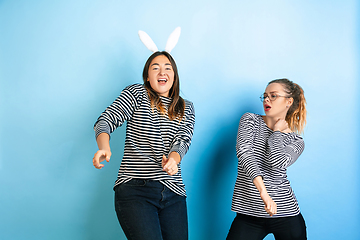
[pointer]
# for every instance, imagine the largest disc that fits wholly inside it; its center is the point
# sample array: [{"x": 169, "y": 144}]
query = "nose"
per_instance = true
[
  {"x": 162, "y": 71},
  {"x": 267, "y": 99}
]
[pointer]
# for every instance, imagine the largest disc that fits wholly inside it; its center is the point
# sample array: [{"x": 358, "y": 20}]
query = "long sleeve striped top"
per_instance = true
[
  {"x": 149, "y": 136},
  {"x": 263, "y": 152}
]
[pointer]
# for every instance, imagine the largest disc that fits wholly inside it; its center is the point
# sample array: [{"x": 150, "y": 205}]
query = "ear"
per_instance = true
[{"x": 290, "y": 101}]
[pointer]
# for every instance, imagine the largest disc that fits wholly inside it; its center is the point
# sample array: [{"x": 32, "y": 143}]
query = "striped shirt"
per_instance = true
[
  {"x": 263, "y": 152},
  {"x": 149, "y": 136}
]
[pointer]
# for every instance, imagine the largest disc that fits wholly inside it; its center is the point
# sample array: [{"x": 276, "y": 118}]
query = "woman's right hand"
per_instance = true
[
  {"x": 281, "y": 125},
  {"x": 270, "y": 205},
  {"x": 100, "y": 156}
]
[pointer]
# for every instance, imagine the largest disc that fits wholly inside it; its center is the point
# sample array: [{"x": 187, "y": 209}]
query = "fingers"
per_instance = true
[
  {"x": 164, "y": 161},
  {"x": 169, "y": 163},
  {"x": 171, "y": 170},
  {"x": 100, "y": 156},
  {"x": 271, "y": 208},
  {"x": 97, "y": 164},
  {"x": 169, "y": 166},
  {"x": 281, "y": 125}
]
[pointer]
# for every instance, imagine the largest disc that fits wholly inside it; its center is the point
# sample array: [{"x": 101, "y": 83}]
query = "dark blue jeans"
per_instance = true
[
  {"x": 147, "y": 210},
  {"x": 246, "y": 227}
]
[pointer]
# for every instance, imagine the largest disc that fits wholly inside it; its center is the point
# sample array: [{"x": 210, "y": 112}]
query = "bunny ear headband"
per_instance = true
[{"x": 170, "y": 44}]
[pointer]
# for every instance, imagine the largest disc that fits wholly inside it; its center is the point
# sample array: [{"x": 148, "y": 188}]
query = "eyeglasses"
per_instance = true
[{"x": 272, "y": 97}]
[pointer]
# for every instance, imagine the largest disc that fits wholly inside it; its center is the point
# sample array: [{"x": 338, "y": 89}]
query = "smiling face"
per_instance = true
[
  {"x": 276, "y": 108},
  {"x": 161, "y": 75}
]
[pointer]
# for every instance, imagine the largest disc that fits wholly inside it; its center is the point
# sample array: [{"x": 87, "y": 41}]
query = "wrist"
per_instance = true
[
  {"x": 106, "y": 149},
  {"x": 175, "y": 156}
]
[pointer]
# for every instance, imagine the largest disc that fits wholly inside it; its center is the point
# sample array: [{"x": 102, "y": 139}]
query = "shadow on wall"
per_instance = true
[
  {"x": 101, "y": 221},
  {"x": 221, "y": 176}
]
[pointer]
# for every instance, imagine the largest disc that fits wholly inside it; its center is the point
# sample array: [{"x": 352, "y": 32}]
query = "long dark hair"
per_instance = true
[
  {"x": 296, "y": 115},
  {"x": 177, "y": 105}
]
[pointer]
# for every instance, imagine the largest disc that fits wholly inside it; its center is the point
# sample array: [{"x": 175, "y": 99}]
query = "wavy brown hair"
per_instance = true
[
  {"x": 296, "y": 115},
  {"x": 177, "y": 105}
]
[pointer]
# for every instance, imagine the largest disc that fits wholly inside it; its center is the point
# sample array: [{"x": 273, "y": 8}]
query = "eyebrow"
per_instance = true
[
  {"x": 159, "y": 64},
  {"x": 271, "y": 92}
]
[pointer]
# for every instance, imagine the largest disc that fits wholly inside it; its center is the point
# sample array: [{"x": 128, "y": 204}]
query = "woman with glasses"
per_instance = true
[{"x": 266, "y": 146}]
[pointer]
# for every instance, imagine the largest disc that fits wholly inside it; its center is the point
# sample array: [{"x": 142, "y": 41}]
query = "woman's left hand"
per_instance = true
[
  {"x": 270, "y": 206},
  {"x": 169, "y": 165}
]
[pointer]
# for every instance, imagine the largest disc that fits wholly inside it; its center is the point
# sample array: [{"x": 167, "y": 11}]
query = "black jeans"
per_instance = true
[
  {"x": 147, "y": 210},
  {"x": 246, "y": 227}
]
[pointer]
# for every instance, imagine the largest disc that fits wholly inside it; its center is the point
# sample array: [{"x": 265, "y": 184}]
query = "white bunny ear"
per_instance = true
[
  {"x": 173, "y": 39},
  {"x": 147, "y": 41}
]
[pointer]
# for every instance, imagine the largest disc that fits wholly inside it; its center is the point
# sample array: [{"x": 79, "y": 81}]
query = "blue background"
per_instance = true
[{"x": 63, "y": 62}]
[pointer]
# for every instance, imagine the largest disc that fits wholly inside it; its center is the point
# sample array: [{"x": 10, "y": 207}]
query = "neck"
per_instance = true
[{"x": 270, "y": 121}]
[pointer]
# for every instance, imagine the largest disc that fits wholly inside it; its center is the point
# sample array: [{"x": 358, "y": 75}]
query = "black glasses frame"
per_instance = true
[{"x": 272, "y": 97}]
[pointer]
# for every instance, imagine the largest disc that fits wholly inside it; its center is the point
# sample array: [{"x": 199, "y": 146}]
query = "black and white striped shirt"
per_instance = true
[
  {"x": 263, "y": 152},
  {"x": 149, "y": 136}
]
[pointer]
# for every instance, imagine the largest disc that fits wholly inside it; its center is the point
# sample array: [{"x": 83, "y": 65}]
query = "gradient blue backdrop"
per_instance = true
[{"x": 63, "y": 62}]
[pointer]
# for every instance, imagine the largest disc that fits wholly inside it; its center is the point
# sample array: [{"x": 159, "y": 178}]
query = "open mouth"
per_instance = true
[
  {"x": 267, "y": 107},
  {"x": 162, "y": 80}
]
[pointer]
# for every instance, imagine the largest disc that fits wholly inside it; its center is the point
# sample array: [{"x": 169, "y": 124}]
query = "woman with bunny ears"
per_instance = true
[
  {"x": 266, "y": 146},
  {"x": 150, "y": 197}
]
